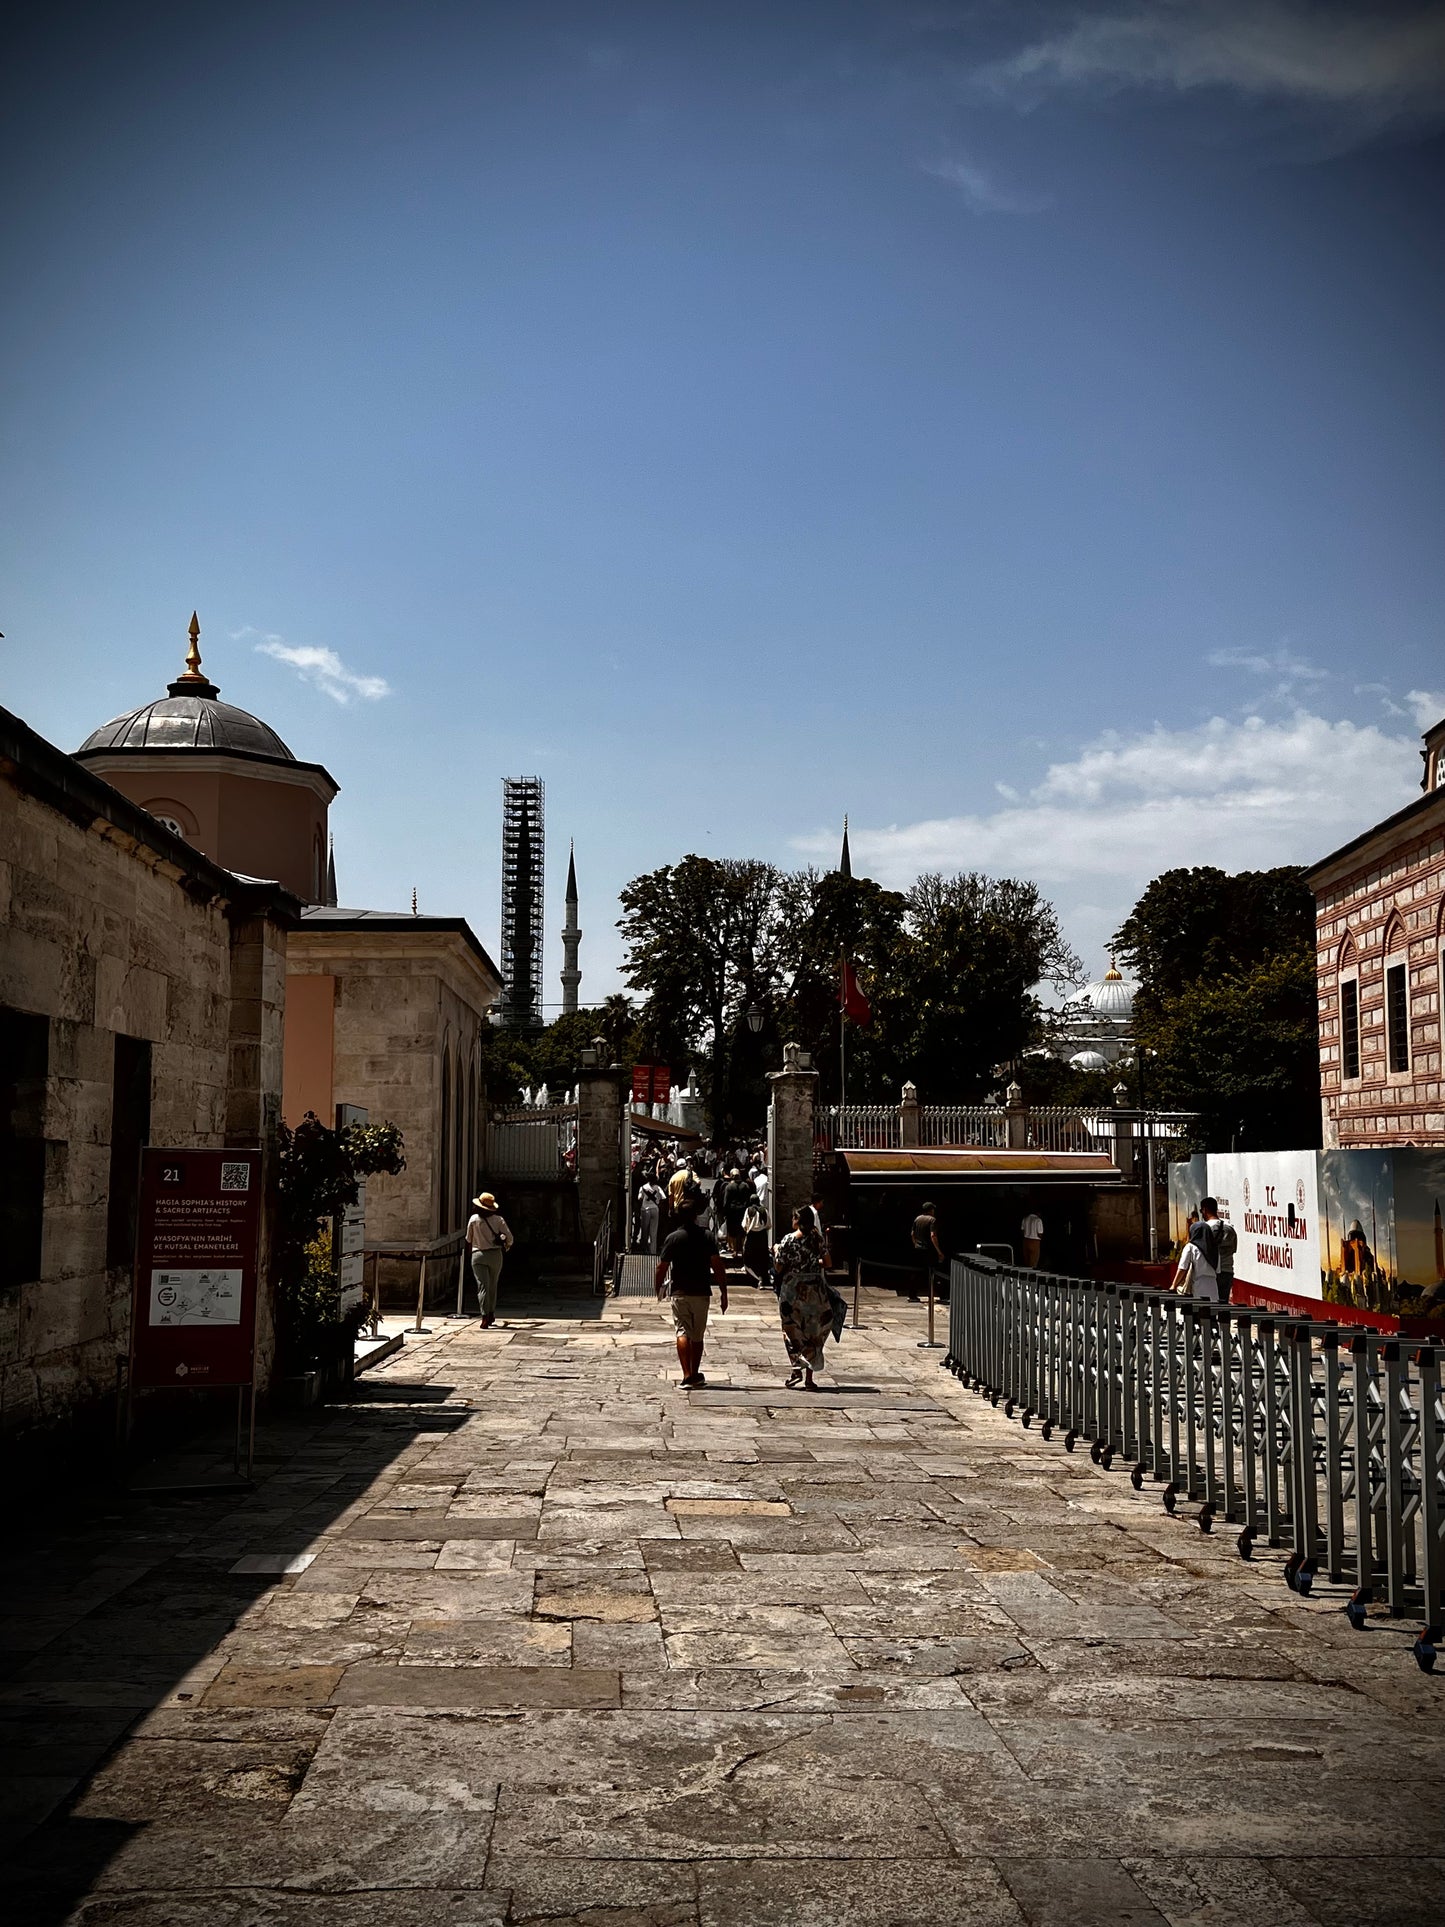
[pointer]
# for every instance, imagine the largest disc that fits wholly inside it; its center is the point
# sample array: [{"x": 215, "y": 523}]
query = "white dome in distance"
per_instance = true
[{"x": 1088, "y": 1060}]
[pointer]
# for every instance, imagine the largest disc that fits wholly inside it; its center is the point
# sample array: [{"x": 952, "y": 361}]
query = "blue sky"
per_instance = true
[{"x": 1017, "y": 426}]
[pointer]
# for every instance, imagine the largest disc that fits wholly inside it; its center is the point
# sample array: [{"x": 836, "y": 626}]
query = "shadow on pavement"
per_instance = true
[{"x": 116, "y": 1601}]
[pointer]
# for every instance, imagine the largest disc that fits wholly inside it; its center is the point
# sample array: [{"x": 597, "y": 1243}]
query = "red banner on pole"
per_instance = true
[
  {"x": 651, "y": 1083},
  {"x": 193, "y": 1308}
]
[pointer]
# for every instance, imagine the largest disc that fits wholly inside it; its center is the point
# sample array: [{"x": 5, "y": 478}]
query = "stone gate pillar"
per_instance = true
[
  {"x": 794, "y": 1091},
  {"x": 602, "y": 1142},
  {"x": 908, "y": 1117}
]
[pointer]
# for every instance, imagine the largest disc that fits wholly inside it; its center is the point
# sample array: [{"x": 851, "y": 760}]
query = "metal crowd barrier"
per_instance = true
[{"x": 1326, "y": 1440}]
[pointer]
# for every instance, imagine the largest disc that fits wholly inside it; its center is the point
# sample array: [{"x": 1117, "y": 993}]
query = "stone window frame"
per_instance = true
[
  {"x": 1395, "y": 984},
  {"x": 1348, "y": 974}
]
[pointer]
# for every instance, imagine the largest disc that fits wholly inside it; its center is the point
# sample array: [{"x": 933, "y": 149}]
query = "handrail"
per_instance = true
[
  {"x": 602, "y": 1252},
  {"x": 1326, "y": 1440}
]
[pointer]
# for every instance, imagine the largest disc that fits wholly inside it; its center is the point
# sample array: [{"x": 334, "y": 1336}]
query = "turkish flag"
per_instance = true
[{"x": 851, "y": 1000}]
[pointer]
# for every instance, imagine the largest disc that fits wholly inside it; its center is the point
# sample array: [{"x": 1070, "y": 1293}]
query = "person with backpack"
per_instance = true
[
  {"x": 1224, "y": 1257},
  {"x": 1197, "y": 1273}
]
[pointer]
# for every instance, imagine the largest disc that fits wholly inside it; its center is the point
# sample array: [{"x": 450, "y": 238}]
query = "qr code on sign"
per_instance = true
[{"x": 235, "y": 1177}]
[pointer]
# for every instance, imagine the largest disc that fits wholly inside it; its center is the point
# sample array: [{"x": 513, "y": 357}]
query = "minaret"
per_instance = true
[
  {"x": 571, "y": 937},
  {"x": 845, "y": 861}
]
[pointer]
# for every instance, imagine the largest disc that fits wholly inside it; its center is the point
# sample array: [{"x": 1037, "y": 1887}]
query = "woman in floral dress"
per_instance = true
[{"x": 810, "y": 1310}]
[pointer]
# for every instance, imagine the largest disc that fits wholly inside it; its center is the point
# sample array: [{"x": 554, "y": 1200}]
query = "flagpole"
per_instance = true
[{"x": 843, "y": 1037}]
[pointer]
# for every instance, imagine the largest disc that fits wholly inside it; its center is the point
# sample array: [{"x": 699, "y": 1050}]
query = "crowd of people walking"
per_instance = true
[{"x": 693, "y": 1213}]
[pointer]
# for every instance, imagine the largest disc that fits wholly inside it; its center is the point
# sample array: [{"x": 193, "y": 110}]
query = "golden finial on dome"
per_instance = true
[{"x": 193, "y": 654}]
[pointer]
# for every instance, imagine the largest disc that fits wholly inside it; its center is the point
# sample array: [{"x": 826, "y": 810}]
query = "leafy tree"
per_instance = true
[
  {"x": 959, "y": 1000},
  {"x": 1226, "y": 1016},
  {"x": 949, "y": 968},
  {"x": 1202, "y": 925},
  {"x": 319, "y": 1172},
  {"x": 705, "y": 939},
  {"x": 516, "y": 1060}
]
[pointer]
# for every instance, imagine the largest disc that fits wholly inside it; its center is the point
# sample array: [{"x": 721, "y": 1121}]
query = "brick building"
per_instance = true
[{"x": 1380, "y": 928}]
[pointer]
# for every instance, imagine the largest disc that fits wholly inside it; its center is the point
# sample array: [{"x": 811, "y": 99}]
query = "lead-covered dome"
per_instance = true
[
  {"x": 189, "y": 716},
  {"x": 189, "y": 721}
]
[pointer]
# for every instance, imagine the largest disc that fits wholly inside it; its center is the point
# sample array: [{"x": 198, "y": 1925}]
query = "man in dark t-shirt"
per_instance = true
[
  {"x": 686, "y": 1267},
  {"x": 927, "y": 1251}
]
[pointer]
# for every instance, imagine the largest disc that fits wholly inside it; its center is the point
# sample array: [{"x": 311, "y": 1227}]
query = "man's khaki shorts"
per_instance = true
[{"x": 689, "y": 1314}]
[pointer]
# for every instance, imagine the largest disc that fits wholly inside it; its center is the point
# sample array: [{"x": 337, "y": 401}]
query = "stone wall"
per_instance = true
[
  {"x": 406, "y": 1015},
  {"x": 110, "y": 927}
]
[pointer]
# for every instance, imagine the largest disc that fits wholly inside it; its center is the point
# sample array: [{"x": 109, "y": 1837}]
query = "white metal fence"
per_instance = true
[{"x": 529, "y": 1143}]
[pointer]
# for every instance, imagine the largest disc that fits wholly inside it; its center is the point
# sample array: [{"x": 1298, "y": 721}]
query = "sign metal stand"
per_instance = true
[{"x": 195, "y": 1285}]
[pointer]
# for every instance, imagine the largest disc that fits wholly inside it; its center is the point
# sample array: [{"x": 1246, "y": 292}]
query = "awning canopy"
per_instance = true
[
  {"x": 981, "y": 1167},
  {"x": 646, "y": 1126}
]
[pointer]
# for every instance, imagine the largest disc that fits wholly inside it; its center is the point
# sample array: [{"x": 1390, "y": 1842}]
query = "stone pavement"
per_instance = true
[{"x": 567, "y": 1645}]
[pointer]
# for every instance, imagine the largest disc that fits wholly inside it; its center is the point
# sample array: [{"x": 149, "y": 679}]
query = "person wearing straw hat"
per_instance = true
[{"x": 489, "y": 1240}]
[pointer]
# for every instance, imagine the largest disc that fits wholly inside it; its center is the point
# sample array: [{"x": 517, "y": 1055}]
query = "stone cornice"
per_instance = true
[{"x": 209, "y": 762}]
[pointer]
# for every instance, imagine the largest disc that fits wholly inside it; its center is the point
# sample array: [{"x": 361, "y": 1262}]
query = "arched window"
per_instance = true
[
  {"x": 1349, "y": 994},
  {"x": 473, "y": 1166},
  {"x": 459, "y": 1139},
  {"x": 444, "y": 1143},
  {"x": 1397, "y": 998}
]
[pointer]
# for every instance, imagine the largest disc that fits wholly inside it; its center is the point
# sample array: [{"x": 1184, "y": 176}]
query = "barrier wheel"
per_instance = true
[
  {"x": 1046, "y": 1430},
  {"x": 1305, "y": 1578},
  {"x": 1244, "y": 1544},
  {"x": 1171, "y": 1496},
  {"x": 1094, "y": 1451},
  {"x": 994, "y": 1397},
  {"x": 1136, "y": 1478},
  {"x": 1027, "y": 1417},
  {"x": 1291, "y": 1570},
  {"x": 1106, "y": 1457},
  {"x": 1070, "y": 1438},
  {"x": 1206, "y": 1518},
  {"x": 1008, "y": 1408},
  {"x": 1355, "y": 1608},
  {"x": 1424, "y": 1652}
]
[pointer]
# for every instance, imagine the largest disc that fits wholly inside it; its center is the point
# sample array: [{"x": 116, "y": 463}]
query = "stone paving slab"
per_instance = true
[{"x": 577, "y": 1649}]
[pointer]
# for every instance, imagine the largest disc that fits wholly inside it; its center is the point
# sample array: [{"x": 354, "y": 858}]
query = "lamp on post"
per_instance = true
[{"x": 754, "y": 1015}]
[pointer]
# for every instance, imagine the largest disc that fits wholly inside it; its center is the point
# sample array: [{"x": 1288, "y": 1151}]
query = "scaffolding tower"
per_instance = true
[{"x": 523, "y": 870}]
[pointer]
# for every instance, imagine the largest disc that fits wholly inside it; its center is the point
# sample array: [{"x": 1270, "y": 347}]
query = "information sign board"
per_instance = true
[{"x": 193, "y": 1308}]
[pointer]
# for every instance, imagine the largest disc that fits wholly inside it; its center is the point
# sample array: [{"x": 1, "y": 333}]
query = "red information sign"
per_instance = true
[
  {"x": 651, "y": 1083},
  {"x": 193, "y": 1312}
]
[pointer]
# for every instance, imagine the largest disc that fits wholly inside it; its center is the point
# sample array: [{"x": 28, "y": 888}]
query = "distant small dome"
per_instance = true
[
  {"x": 189, "y": 716},
  {"x": 1088, "y": 1060},
  {"x": 1108, "y": 996}
]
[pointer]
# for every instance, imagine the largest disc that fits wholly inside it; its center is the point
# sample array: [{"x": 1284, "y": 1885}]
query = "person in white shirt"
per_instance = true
[
  {"x": 1032, "y": 1233},
  {"x": 1195, "y": 1275},
  {"x": 489, "y": 1240}
]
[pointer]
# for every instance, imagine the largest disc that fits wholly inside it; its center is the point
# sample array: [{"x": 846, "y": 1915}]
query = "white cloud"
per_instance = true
[
  {"x": 322, "y": 667},
  {"x": 980, "y": 191},
  {"x": 1283, "y": 666},
  {"x": 1342, "y": 56},
  {"x": 1427, "y": 706},
  {"x": 1097, "y": 827}
]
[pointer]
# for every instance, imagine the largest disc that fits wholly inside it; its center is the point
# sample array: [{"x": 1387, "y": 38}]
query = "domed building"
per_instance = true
[
  {"x": 222, "y": 779},
  {"x": 1095, "y": 1029},
  {"x": 383, "y": 1009}
]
